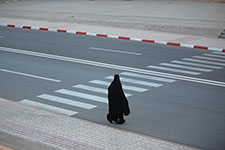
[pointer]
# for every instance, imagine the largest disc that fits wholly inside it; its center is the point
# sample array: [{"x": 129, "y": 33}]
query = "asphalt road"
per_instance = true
[{"x": 184, "y": 105}]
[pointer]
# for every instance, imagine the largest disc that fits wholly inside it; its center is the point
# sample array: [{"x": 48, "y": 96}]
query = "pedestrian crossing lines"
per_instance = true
[
  {"x": 196, "y": 65},
  {"x": 139, "y": 82},
  {"x": 49, "y": 107},
  {"x": 89, "y": 95},
  {"x": 83, "y": 95},
  {"x": 126, "y": 87},
  {"x": 95, "y": 89}
]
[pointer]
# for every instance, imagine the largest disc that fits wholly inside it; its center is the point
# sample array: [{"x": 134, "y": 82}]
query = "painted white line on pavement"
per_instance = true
[
  {"x": 212, "y": 55},
  {"x": 220, "y": 53},
  {"x": 95, "y": 89},
  {"x": 83, "y": 95},
  {"x": 147, "y": 77},
  {"x": 114, "y": 51},
  {"x": 174, "y": 70},
  {"x": 116, "y": 67},
  {"x": 185, "y": 67},
  {"x": 196, "y": 64},
  {"x": 29, "y": 75},
  {"x": 161, "y": 42},
  {"x": 49, "y": 107},
  {"x": 126, "y": 87},
  {"x": 66, "y": 101},
  {"x": 209, "y": 58},
  {"x": 134, "y": 81},
  {"x": 187, "y": 45},
  {"x": 113, "y": 36},
  {"x": 204, "y": 61}
]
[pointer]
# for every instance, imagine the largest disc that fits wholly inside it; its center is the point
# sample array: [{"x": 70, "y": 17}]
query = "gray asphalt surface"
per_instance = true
[{"x": 185, "y": 112}]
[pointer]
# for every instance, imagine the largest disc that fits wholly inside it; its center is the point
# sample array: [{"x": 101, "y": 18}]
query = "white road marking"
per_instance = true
[
  {"x": 52, "y": 29},
  {"x": 212, "y": 55},
  {"x": 116, "y": 67},
  {"x": 66, "y": 101},
  {"x": 185, "y": 67},
  {"x": 220, "y": 53},
  {"x": 113, "y": 36},
  {"x": 136, "y": 39},
  {"x": 161, "y": 42},
  {"x": 83, "y": 95},
  {"x": 95, "y": 89},
  {"x": 204, "y": 61},
  {"x": 147, "y": 77},
  {"x": 29, "y": 75},
  {"x": 49, "y": 107},
  {"x": 126, "y": 87},
  {"x": 209, "y": 58},
  {"x": 174, "y": 70},
  {"x": 35, "y": 28},
  {"x": 145, "y": 83},
  {"x": 196, "y": 64},
  {"x": 1, "y": 36},
  {"x": 115, "y": 51}
]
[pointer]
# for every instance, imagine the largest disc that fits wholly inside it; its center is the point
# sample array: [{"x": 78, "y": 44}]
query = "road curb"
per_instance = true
[{"x": 115, "y": 37}]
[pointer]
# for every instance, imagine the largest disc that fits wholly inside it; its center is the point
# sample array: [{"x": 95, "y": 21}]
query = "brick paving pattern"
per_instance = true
[{"x": 72, "y": 133}]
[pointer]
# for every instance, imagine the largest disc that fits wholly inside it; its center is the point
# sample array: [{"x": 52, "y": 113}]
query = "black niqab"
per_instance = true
[{"x": 118, "y": 103}]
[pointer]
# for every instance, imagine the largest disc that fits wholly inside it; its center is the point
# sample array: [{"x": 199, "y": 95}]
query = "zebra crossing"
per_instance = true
[
  {"x": 195, "y": 65},
  {"x": 89, "y": 95}
]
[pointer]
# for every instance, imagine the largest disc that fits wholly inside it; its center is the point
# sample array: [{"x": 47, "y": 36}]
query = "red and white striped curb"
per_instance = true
[{"x": 115, "y": 37}]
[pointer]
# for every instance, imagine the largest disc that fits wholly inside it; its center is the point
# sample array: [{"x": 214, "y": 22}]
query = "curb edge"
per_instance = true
[{"x": 113, "y": 36}]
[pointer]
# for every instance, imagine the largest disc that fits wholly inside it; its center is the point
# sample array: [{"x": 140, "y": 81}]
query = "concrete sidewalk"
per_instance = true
[
  {"x": 69, "y": 133},
  {"x": 185, "y": 22}
]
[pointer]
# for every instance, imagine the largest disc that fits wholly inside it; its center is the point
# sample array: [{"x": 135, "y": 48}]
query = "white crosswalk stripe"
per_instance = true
[
  {"x": 204, "y": 61},
  {"x": 49, "y": 107},
  {"x": 148, "y": 77},
  {"x": 82, "y": 92},
  {"x": 209, "y": 58},
  {"x": 219, "y": 53},
  {"x": 134, "y": 81},
  {"x": 66, "y": 101},
  {"x": 185, "y": 67},
  {"x": 174, "y": 70},
  {"x": 95, "y": 89},
  {"x": 196, "y": 64},
  {"x": 212, "y": 55},
  {"x": 83, "y": 95},
  {"x": 126, "y": 87}
]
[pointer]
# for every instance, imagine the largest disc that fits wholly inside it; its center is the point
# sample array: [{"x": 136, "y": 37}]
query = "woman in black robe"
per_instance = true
[{"x": 118, "y": 104}]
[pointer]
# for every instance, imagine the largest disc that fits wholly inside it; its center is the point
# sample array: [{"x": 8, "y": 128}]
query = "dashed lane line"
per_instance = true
[
  {"x": 30, "y": 75},
  {"x": 117, "y": 67},
  {"x": 114, "y": 51}
]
